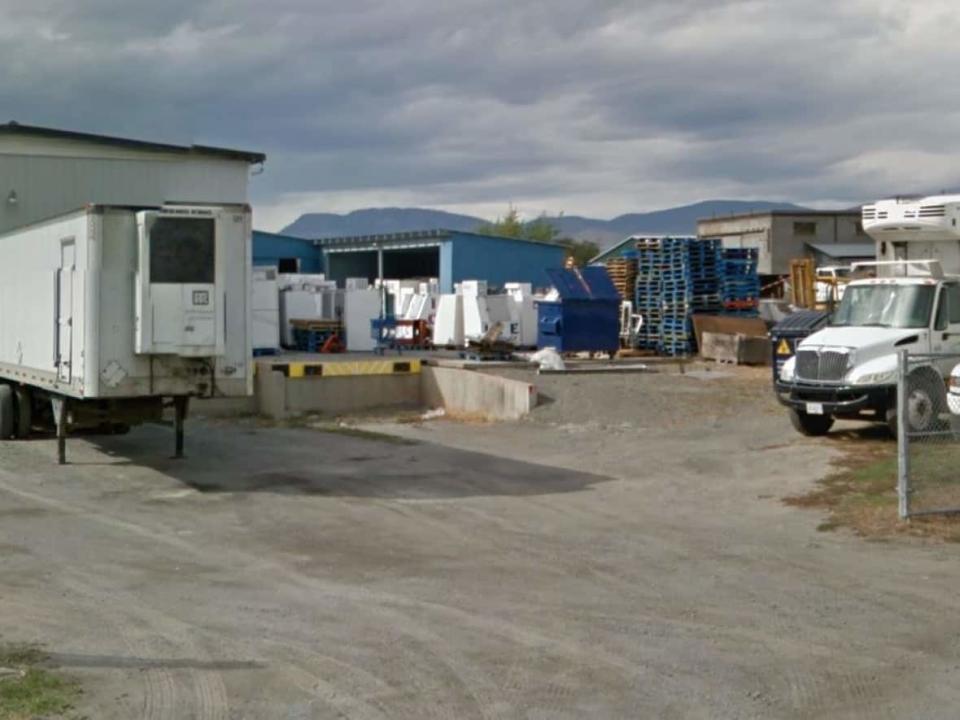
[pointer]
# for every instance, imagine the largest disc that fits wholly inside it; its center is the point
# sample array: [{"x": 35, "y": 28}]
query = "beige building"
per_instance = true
[
  {"x": 831, "y": 237},
  {"x": 46, "y": 172}
]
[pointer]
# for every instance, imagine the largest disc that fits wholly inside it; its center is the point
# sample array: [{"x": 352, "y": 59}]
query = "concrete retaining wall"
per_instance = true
[
  {"x": 457, "y": 391},
  {"x": 280, "y": 397},
  {"x": 475, "y": 393}
]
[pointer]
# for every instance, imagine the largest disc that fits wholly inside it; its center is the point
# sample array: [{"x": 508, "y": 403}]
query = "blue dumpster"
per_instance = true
[{"x": 587, "y": 316}]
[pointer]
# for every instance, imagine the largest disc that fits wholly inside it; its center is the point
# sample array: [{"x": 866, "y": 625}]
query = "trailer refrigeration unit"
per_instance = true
[{"x": 109, "y": 314}]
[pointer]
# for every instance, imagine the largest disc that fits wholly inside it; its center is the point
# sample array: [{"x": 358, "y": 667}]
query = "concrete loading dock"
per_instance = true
[{"x": 287, "y": 388}]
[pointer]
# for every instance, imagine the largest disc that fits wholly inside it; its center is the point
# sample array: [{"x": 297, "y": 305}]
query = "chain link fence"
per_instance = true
[{"x": 928, "y": 435}]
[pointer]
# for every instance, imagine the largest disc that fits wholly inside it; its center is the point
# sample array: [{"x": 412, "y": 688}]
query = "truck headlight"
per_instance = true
[
  {"x": 885, "y": 377},
  {"x": 788, "y": 369}
]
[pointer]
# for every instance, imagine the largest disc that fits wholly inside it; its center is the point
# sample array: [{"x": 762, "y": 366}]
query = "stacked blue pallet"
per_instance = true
[
  {"x": 740, "y": 283},
  {"x": 649, "y": 291},
  {"x": 676, "y": 326},
  {"x": 704, "y": 264}
]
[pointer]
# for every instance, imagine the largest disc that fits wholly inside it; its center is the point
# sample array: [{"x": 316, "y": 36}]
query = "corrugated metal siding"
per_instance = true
[
  {"x": 501, "y": 260},
  {"x": 50, "y": 186},
  {"x": 269, "y": 248}
]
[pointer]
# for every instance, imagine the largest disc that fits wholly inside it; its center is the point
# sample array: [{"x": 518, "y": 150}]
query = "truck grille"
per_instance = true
[{"x": 822, "y": 365}]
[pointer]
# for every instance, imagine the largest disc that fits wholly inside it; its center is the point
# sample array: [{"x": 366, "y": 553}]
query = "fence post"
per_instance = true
[{"x": 903, "y": 449}]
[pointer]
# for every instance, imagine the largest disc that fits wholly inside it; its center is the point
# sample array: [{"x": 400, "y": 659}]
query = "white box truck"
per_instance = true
[
  {"x": 849, "y": 369},
  {"x": 109, "y": 314}
]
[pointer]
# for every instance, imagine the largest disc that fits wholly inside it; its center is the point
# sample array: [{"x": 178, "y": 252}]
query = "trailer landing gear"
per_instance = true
[
  {"x": 60, "y": 419},
  {"x": 180, "y": 405}
]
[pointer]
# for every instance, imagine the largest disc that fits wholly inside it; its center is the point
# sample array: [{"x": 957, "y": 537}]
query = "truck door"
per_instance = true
[
  {"x": 63, "y": 345},
  {"x": 945, "y": 337}
]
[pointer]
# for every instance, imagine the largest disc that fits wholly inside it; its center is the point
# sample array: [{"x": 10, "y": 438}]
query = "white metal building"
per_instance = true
[{"x": 46, "y": 172}]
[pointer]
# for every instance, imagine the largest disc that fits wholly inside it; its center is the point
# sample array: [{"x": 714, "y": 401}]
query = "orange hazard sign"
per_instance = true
[{"x": 783, "y": 348}]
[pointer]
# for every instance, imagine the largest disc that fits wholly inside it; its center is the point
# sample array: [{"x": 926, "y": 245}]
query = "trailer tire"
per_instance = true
[
  {"x": 810, "y": 425},
  {"x": 24, "y": 406},
  {"x": 7, "y": 412}
]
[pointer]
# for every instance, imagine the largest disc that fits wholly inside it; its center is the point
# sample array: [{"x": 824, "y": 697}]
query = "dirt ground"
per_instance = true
[{"x": 623, "y": 553}]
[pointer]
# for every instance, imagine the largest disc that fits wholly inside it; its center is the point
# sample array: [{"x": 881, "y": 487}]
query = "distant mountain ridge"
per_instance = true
[{"x": 680, "y": 220}]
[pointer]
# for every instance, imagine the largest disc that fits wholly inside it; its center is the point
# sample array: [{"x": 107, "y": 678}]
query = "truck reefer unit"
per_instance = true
[{"x": 109, "y": 313}]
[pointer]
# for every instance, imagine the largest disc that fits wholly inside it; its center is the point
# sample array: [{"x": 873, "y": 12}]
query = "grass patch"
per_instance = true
[
  {"x": 861, "y": 494},
  {"x": 28, "y": 690}
]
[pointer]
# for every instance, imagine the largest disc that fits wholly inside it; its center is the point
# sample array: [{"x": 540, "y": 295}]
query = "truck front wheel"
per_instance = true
[
  {"x": 810, "y": 425},
  {"x": 926, "y": 403}
]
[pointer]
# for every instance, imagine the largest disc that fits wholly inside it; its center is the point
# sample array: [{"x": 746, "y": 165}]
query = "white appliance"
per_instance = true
[
  {"x": 523, "y": 312},
  {"x": 265, "y": 309},
  {"x": 359, "y": 308},
  {"x": 305, "y": 297},
  {"x": 448, "y": 324}
]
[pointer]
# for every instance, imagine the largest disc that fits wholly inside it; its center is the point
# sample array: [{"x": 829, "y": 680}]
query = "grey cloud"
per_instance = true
[{"x": 478, "y": 101}]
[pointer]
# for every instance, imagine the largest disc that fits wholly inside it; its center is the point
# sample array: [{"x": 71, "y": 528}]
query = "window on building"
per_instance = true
[
  {"x": 804, "y": 228},
  {"x": 288, "y": 265}
]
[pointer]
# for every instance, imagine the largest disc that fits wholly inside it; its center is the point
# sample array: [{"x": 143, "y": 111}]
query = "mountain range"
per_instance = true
[{"x": 681, "y": 220}]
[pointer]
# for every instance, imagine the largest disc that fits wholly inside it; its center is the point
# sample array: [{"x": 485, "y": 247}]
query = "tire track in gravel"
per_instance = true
[{"x": 379, "y": 601}]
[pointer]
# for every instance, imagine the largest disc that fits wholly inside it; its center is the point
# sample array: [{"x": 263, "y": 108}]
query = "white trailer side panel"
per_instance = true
[
  {"x": 43, "y": 303},
  {"x": 68, "y": 310}
]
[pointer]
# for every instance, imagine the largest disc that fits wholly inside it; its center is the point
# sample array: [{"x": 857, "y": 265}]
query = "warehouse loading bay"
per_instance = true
[{"x": 623, "y": 551}]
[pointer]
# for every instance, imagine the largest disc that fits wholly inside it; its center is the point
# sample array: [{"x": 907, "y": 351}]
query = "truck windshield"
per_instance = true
[{"x": 894, "y": 306}]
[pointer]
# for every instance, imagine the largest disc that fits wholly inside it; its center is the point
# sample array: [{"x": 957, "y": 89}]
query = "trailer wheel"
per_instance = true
[
  {"x": 811, "y": 425},
  {"x": 24, "y": 406},
  {"x": 7, "y": 412}
]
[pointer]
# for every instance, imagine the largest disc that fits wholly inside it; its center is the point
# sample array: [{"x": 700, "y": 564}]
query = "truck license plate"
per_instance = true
[{"x": 814, "y": 408}]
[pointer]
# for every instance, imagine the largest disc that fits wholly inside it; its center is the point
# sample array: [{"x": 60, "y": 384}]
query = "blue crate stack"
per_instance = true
[
  {"x": 740, "y": 283},
  {"x": 676, "y": 325},
  {"x": 679, "y": 277},
  {"x": 649, "y": 291}
]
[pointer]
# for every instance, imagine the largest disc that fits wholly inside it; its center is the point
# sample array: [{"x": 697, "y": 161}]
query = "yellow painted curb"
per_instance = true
[{"x": 348, "y": 368}]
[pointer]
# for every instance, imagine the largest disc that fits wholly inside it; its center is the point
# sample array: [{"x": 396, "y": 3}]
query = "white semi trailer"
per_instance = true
[
  {"x": 849, "y": 369},
  {"x": 109, "y": 314}
]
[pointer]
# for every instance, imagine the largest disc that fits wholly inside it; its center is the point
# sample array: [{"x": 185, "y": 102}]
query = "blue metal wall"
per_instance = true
[
  {"x": 269, "y": 248},
  {"x": 498, "y": 260}
]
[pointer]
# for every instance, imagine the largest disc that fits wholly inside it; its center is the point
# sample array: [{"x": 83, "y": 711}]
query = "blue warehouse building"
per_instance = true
[
  {"x": 449, "y": 255},
  {"x": 286, "y": 253}
]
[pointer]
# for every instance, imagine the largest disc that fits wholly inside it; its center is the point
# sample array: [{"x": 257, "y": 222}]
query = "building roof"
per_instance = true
[
  {"x": 277, "y": 236},
  {"x": 844, "y": 250},
  {"x": 614, "y": 250},
  {"x": 852, "y": 212},
  {"x": 15, "y": 128},
  {"x": 417, "y": 236}
]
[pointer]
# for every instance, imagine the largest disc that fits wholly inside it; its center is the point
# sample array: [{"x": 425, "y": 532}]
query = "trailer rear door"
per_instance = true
[{"x": 64, "y": 305}]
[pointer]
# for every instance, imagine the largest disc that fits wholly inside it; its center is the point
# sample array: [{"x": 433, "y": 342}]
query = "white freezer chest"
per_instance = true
[{"x": 265, "y": 309}]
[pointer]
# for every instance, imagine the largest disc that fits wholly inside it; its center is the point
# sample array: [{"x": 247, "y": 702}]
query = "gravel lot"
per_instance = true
[{"x": 621, "y": 554}]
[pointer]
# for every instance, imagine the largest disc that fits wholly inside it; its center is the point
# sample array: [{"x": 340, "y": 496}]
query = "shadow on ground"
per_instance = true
[{"x": 226, "y": 458}]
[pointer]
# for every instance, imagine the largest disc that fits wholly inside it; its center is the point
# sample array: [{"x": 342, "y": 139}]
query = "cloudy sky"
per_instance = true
[{"x": 589, "y": 107}]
